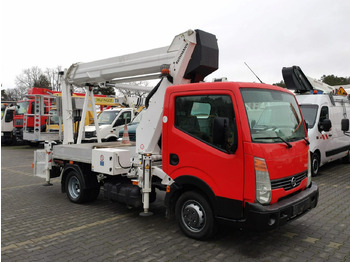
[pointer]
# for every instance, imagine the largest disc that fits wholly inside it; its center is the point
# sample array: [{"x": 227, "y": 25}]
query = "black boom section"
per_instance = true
[
  {"x": 295, "y": 79},
  {"x": 205, "y": 57}
]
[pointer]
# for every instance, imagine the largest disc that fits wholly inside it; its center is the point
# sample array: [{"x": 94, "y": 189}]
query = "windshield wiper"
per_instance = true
[
  {"x": 273, "y": 137},
  {"x": 304, "y": 138}
]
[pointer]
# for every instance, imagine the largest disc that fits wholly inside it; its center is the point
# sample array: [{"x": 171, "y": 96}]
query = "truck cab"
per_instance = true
[
  {"x": 246, "y": 149},
  {"x": 7, "y": 124},
  {"x": 327, "y": 141},
  {"x": 324, "y": 108},
  {"x": 22, "y": 108},
  {"x": 110, "y": 122}
]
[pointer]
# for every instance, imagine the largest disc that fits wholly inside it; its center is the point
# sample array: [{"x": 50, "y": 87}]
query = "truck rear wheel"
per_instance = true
[
  {"x": 195, "y": 216},
  {"x": 74, "y": 188}
]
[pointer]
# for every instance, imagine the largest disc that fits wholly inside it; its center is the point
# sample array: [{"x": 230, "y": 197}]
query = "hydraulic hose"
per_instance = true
[{"x": 154, "y": 90}]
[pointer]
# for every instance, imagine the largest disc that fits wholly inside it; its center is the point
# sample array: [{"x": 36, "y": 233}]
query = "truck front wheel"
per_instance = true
[
  {"x": 315, "y": 163},
  {"x": 195, "y": 216},
  {"x": 346, "y": 159}
]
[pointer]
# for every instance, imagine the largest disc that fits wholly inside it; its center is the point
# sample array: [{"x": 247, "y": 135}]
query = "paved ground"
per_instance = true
[{"x": 39, "y": 224}]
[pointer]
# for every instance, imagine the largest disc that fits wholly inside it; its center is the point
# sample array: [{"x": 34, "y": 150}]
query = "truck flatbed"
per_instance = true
[{"x": 83, "y": 152}]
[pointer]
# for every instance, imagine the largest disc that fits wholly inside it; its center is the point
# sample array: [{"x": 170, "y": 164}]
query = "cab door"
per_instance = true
[
  {"x": 327, "y": 145},
  {"x": 202, "y": 140}
]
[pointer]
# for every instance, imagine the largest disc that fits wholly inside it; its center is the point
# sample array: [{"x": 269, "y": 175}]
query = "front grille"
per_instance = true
[
  {"x": 19, "y": 122},
  {"x": 89, "y": 134},
  {"x": 290, "y": 182}
]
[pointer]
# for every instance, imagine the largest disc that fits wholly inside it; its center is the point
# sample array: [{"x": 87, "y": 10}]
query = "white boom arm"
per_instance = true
[
  {"x": 185, "y": 65},
  {"x": 319, "y": 85},
  {"x": 295, "y": 79},
  {"x": 191, "y": 56}
]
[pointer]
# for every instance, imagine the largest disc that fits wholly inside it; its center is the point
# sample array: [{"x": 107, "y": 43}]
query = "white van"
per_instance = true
[
  {"x": 110, "y": 122},
  {"x": 7, "y": 136},
  {"x": 323, "y": 113}
]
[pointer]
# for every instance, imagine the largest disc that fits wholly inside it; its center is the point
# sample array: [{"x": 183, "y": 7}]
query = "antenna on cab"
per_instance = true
[{"x": 254, "y": 73}]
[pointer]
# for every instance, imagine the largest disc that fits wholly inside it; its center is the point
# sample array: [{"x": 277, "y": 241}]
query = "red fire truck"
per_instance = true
[{"x": 27, "y": 106}]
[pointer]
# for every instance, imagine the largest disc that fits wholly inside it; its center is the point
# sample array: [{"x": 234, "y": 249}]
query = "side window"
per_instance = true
[
  {"x": 324, "y": 113},
  {"x": 199, "y": 116},
  {"x": 125, "y": 118}
]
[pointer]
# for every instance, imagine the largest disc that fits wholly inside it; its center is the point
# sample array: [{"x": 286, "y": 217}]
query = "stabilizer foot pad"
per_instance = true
[{"x": 144, "y": 214}]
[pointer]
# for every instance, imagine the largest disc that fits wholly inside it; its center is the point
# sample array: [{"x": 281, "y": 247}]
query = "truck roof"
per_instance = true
[
  {"x": 224, "y": 85},
  {"x": 321, "y": 98}
]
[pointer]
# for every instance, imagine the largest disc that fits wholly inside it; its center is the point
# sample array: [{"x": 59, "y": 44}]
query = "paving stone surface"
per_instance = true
[{"x": 39, "y": 223}]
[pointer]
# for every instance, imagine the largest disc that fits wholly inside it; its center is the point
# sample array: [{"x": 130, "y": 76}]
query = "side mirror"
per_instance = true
[
  {"x": 220, "y": 131},
  {"x": 325, "y": 125},
  {"x": 345, "y": 125}
]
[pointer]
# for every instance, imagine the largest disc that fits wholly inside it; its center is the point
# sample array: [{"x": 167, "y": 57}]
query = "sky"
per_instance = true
[{"x": 265, "y": 34}]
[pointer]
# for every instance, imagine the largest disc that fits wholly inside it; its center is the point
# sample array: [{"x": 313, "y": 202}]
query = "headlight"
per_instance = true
[{"x": 262, "y": 181}]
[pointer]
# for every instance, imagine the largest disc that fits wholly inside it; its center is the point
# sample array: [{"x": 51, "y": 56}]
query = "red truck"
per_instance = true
[
  {"x": 28, "y": 107},
  {"x": 221, "y": 151}
]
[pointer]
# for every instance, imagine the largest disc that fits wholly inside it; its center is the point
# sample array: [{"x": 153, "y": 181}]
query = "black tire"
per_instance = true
[
  {"x": 74, "y": 188},
  {"x": 195, "y": 216},
  {"x": 112, "y": 139},
  {"x": 93, "y": 193},
  {"x": 346, "y": 159},
  {"x": 315, "y": 164}
]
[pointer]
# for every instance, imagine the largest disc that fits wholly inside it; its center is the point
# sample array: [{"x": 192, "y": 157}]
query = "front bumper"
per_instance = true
[
  {"x": 265, "y": 218},
  {"x": 6, "y": 137}
]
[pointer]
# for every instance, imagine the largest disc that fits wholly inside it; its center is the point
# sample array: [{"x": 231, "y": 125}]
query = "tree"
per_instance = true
[
  {"x": 281, "y": 84},
  {"x": 104, "y": 91},
  {"x": 28, "y": 78},
  {"x": 53, "y": 77},
  {"x": 333, "y": 80},
  {"x": 42, "y": 82},
  {"x": 4, "y": 96},
  {"x": 15, "y": 94},
  {"x": 130, "y": 93},
  {"x": 34, "y": 77}
]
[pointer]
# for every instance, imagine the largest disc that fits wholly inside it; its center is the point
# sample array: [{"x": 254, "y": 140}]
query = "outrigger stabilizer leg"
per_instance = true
[
  {"x": 48, "y": 159},
  {"x": 146, "y": 185}
]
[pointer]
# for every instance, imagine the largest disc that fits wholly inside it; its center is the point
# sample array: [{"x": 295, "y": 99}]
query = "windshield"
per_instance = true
[
  {"x": 54, "y": 118},
  {"x": 309, "y": 113},
  {"x": 273, "y": 116},
  {"x": 22, "y": 108},
  {"x": 107, "y": 117}
]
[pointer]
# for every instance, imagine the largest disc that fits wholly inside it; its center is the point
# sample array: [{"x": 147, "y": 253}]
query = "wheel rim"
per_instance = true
[
  {"x": 193, "y": 216},
  {"x": 74, "y": 187}
]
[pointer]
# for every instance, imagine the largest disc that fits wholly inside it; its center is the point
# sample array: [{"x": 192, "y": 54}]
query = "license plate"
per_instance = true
[{"x": 300, "y": 208}]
